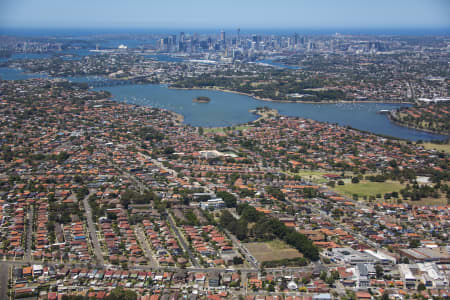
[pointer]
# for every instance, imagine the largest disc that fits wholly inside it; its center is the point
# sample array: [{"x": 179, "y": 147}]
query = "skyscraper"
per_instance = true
[
  {"x": 222, "y": 36},
  {"x": 181, "y": 44}
]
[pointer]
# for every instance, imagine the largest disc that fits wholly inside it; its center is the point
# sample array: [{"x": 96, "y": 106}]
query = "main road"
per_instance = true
[
  {"x": 29, "y": 233},
  {"x": 244, "y": 250},
  {"x": 93, "y": 232},
  {"x": 4, "y": 276},
  {"x": 182, "y": 241},
  {"x": 337, "y": 224}
]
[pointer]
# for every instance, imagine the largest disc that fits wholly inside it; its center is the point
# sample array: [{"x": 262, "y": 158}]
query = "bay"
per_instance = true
[
  {"x": 229, "y": 109},
  {"x": 18, "y": 74}
]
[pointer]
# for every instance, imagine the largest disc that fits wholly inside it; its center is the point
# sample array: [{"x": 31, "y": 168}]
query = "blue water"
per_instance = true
[
  {"x": 17, "y": 74},
  {"x": 228, "y": 109},
  {"x": 87, "y": 79},
  {"x": 76, "y": 54},
  {"x": 164, "y": 57},
  {"x": 278, "y": 65},
  {"x": 17, "y": 56},
  {"x": 130, "y": 43}
]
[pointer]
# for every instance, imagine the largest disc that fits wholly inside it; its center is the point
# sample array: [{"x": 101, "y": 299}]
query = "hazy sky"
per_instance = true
[{"x": 226, "y": 13}]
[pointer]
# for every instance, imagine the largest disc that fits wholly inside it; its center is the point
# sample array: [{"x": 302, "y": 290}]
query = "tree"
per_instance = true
[
  {"x": 414, "y": 244},
  {"x": 379, "y": 270},
  {"x": 355, "y": 180},
  {"x": 229, "y": 199},
  {"x": 120, "y": 293},
  {"x": 73, "y": 297},
  {"x": 421, "y": 287},
  {"x": 62, "y": 156},
  {"x": 237, "y": 260}
]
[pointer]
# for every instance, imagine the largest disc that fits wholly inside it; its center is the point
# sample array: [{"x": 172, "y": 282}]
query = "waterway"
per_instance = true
[
  {"x": 277, "y": 64},
  {"x": 229, "y": 109}
]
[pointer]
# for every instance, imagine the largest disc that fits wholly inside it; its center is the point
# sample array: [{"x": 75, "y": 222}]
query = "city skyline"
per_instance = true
[{"x": 284, "y": 14}]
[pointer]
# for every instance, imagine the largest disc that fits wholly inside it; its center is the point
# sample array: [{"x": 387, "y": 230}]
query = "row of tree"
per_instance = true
[{"x": 266, "y": 228}]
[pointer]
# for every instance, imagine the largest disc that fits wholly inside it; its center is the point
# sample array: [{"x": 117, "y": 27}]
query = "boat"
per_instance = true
[{"x": 383, "y": 111}]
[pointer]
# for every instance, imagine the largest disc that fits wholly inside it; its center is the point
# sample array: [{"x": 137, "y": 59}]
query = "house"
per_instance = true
[
  {"x": 200, "y": 277},
  {"x": 363, "y": 295},
  {"x": 37, "y": 270},
  {"x": 324, "y": 296},
  {"x": 179, "y": 277},
  {"x": 214, "y": 280}
]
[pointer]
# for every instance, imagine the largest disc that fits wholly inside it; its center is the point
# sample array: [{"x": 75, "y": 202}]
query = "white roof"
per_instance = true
[{"x": 404, "y": 269}]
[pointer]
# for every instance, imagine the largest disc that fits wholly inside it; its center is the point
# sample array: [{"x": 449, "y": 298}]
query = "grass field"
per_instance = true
[
  {"x": 314, "y": 176},
  {"x": 429, "y": 201},
  {"x": 439, "y": 147},
  {"x": 273, "y": 250},
  {"x": 368, "y": 188},
  {"x": 222, "y": 129}
]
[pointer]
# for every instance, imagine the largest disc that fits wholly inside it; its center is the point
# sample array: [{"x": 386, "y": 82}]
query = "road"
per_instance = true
[
  {"x": 29, "y": 233},
  {"x": 183, "y": 242},
  {"x": 17, "y": 263},
  {"x": 145, "y": 246},
  {"x": 4, "y": 276},
  {"x": 244, "y": 250},
  {"x": 171, "y": 221},
  {"x": 92, "y": 232},
  {"x": 337, "y": 224}
]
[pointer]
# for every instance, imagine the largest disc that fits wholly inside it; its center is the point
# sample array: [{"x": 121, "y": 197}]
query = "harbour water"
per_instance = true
[
  {"x": 277, "y": 64},
  {"x": 229, "y": 109}
]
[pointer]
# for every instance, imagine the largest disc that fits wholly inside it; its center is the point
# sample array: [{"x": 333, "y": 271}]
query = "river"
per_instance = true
[{"x": 228, "y": 109}]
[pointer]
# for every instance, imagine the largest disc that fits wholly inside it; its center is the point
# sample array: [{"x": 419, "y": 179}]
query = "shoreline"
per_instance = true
[
  {"x": 180, "y": 118},
  {"x": 177, "y": 117},
  {"x": 391, "y": 118},
  {"x": 286, "y": 101},
  {"x": 227, "y": 91},
  {"x": 264, "y": 114}
]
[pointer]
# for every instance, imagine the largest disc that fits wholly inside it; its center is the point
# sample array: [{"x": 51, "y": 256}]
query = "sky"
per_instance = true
[{"x": 279, "y": 14}]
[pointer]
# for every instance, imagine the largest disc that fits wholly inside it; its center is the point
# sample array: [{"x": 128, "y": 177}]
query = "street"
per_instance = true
[
  {"x": 29, "y": 233},
  {"x": 145, "y": 246},
  {"x": 183, "y": 242},
  {"x": 244, "y": 250},
  {"x": 92, "y": 232},
  {"x": 4, "y": 276}
]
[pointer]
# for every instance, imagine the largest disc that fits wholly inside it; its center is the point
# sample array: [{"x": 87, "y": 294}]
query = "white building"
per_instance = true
[
  {"x": 409, "y": 278},
  {"x": 431, "y": 275},
  {"x": 384, "y": 258},
  {"x": 213, "y": 204}
]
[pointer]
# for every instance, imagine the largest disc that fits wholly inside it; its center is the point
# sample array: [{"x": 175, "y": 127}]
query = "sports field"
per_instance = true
[
  {"x": 368, "y": 188},
  {"x": 273, "y": 250}
]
